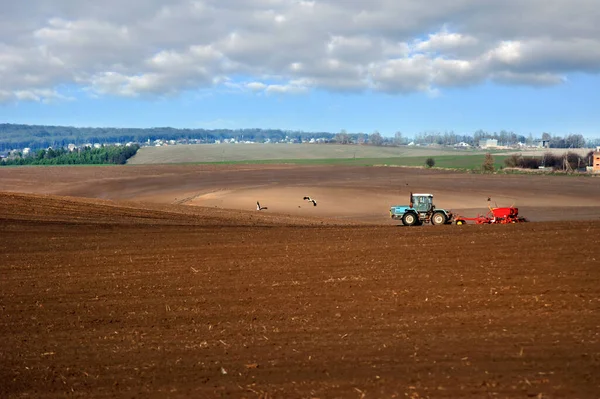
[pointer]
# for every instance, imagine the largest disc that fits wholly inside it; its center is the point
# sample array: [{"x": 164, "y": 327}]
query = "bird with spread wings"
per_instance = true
[{"x": 314, "y": 202}]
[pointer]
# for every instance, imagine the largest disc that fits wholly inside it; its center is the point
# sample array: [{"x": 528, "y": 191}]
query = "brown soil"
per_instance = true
[
  {"x": 121, "y": 298},
  {"x": 344, "y": 193}
]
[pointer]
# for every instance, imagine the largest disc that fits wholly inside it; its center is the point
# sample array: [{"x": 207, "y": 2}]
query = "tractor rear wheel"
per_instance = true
[
  {"x": 438, "y": 219},
  {"x": 409, "y": 219}
]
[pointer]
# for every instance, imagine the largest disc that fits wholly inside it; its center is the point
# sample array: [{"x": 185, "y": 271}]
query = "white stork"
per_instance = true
[
  {"x": 260, "y": 208},
  {"x": 314, "y": 202}
]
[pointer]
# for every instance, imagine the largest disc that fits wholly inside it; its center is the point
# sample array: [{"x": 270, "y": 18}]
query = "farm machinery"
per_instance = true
[
  {"x": 421, "y": 210},
  {"x": 494, "y": 216}
]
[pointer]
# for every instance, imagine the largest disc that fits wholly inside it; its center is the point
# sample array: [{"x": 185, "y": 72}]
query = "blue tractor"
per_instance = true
[{"x": 420, "y": 210}]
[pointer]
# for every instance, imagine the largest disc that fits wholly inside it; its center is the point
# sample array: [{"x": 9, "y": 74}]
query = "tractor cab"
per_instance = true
[{"x": 422, "y": 203}]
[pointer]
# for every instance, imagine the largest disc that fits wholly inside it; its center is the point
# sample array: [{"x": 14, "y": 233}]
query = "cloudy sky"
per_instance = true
[{"x": 321, "y": 65}]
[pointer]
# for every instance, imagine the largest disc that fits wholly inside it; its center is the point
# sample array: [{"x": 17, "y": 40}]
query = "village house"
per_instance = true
[
  {"x": 543, "y": 144},
  {"x": 488, "y": 143}
]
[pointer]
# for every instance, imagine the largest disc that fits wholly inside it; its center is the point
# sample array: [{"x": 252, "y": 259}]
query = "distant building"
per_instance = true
[
  {"x": 596, "y": 164},
  {"x": 488, "y": 143},
  {"x": 543, "y": 144},
  {"x": 26, "y": 151}
]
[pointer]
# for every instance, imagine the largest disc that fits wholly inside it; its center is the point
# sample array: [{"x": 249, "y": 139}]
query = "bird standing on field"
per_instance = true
[{"x": 314, "y": 202}]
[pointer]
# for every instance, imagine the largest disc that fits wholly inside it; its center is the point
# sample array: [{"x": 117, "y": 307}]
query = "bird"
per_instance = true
[
  {"x": 260, "y": 208},
  {"x": 314, "y": 202},
  {"x": 489, "y": 199}
]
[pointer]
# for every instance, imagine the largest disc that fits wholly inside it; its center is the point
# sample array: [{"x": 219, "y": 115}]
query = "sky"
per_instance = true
[{"x": 528, "y": 66}]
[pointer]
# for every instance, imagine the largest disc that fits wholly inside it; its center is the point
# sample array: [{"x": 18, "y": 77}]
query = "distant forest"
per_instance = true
[
  {"x": 14, "y": 136},
  {"x": 83, "y": 156}
]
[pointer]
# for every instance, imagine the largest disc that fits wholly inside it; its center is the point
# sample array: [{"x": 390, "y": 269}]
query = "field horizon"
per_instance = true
[{"x": 329, "y": 154}]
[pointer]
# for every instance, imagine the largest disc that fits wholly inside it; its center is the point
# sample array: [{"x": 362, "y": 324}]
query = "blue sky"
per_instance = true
[{"x": 304, "y": 65}]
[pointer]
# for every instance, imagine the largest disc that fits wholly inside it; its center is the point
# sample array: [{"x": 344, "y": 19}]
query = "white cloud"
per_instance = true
[
  {"x": 292, "y": 87},
  {"x": 35, "y": 95},
  {"x": 395, "y": 50},
  {"x": 531, "y": 79},
  {"x": 86, "y": 42},
  {"x": 256, "y": 86},
  {"x": 403, "y": 75},
  {"x": 445, "y": 42},
  {"x": 507, "y": 53},
  {"x": 457, "y": 72},
  {"x": 286, "y": 89},
  {"x": 160, "y": 47},
  {"x": 5, "y": 96},
  {"x": 355, "y": 49}
]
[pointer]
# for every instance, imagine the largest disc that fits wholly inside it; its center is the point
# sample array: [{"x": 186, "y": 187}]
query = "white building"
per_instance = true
[{"x": 488, "y": 143}]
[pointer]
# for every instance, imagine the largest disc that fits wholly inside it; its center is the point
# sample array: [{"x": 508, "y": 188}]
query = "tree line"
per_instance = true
[
  {"x": 83, "y": 156},
  {"x": 567, "y": 162},
  {"x": 14, "y": 136},
  {"x": 504, "y": 138}
]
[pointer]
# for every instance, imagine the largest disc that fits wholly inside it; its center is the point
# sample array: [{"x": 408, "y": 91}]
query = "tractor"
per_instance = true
[{"x": 421, "y": 210}]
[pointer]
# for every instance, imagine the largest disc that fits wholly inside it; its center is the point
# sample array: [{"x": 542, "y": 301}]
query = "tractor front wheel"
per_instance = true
[
  {"x": 409, "y": 219},
  {"x": 438, "y": 219}
]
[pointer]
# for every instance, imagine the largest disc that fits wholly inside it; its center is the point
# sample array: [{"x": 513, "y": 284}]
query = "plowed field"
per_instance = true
[
  {"x": 139, "y": 295},
  {"x": 343, "y": 192}
]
